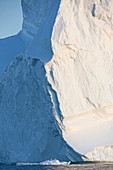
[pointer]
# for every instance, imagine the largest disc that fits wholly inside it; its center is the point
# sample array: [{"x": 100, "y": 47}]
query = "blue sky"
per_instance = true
[{"x": 10, "y": 17}]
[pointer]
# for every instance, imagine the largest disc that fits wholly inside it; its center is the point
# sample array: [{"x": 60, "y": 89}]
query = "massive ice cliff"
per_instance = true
[{"x": 57, "y": 88}]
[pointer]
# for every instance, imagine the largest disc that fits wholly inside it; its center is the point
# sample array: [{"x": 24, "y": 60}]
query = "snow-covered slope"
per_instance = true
[{"x": 61, "y": 83}]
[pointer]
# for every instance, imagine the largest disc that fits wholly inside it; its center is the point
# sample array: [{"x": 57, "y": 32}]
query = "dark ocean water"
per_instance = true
[{"x": 99, "y": 166}]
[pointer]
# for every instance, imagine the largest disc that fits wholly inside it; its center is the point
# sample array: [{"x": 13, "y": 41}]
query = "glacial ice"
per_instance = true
[
  {"x": 56, "y": 92},
  {"x": 48, "y": 162},
  {"x": 102, "y": 153}
]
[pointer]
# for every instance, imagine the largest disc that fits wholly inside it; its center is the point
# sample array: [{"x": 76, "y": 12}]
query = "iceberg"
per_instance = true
[
  {"x": 56, "y": 82},
  {"x": 102, "y": 153}
]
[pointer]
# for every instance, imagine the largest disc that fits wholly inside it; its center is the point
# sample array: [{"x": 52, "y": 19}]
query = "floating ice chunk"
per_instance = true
[{"x": 48, "y": 162}]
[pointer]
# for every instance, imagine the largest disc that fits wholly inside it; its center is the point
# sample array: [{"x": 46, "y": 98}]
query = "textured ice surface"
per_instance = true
[
  {"x": 9, "y": 48},
  {"x": 60, "y": 85},
  {"x": 102, "y": 153},
  {"x": 30, "y": 119},
  {"x": 29, "y": 130}
]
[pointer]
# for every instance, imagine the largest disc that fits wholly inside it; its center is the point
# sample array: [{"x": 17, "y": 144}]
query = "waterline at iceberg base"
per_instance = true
[{"x": 56, "y": 82}]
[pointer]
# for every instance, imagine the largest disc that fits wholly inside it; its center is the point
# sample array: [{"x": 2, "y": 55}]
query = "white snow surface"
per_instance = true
[{"x": 58, "y": 85}]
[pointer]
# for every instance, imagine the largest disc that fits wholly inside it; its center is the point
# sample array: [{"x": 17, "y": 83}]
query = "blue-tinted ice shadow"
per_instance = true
[
  {"x": 93, "y": 10},
  {"x": 41, "y": 46},
  {"x": 10, "y": 47}
]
